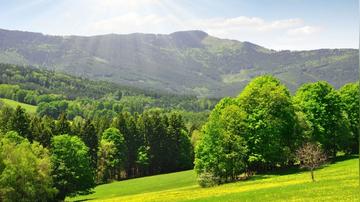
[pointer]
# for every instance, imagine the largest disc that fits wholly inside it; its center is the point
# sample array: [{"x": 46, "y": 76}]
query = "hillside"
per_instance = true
[
  {"x": 338, "y": 182},
  {"x": 29, "y": 108},
  {"x": 187, "y": 62}
]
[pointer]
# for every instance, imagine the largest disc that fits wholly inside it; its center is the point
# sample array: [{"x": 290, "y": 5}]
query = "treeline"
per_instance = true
[
  {"x": 264, "y": 126},
  {"x": 35, "y": 86},
  {"x": 80, "y": 153}
]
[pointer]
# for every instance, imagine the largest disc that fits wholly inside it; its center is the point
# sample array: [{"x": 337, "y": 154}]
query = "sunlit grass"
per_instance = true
[
  {"x": 335, "y": 182},
  {"x": 14, "y": 104}
]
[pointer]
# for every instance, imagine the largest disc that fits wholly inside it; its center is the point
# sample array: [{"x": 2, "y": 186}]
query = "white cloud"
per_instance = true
[
  {"x": 132, "y": 21},
  {"x": 305, "y": 30}
]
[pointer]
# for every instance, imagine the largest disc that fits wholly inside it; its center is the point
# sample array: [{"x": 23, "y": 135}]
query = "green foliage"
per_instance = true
[
  {"x": 24, "y": 170},
  {"x": 107, "y": 157},
  {"x": 19, "y": 122},
  {"x": 350, "y": 96},
  {"x": 5, "y": 113},
  {"x": 91, "y": 140},
  {"x": 126, "y": 124},
  {"x": 269, "y": 121},
  {"x": 207, "y": 179},
  {"x": 72, "y": 171},
  {"x": 222, "y": 151},
  {"x": 62, "y": 125},
  {"x": 322, "y": 106},
  {"x": 42, "y": 129},
  {"x": 119, "y": 149},
  {"x": 83, "y": 97},
  {"x": 142, "y": 159}
]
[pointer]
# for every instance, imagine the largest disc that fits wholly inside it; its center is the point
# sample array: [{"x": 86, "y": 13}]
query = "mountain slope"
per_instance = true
[{"x": 190, "y": 62}]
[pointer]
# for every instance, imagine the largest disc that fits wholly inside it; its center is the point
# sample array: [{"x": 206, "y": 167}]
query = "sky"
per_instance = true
[{"x": 275, "y": 24}]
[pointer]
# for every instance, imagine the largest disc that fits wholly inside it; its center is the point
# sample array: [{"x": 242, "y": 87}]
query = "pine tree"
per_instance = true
[
  {"x": 91, "y": 140},
  {"x": 62, "y": 125},
  {"x": 19, "y": 122}
]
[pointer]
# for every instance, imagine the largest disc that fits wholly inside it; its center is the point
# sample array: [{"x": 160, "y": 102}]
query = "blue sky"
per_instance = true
[{"x": 276, "y": 24}]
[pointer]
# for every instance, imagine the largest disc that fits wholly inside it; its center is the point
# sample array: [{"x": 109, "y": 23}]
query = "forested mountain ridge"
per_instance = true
[
  {"x": 187, "y": 62},
  {"x": 56, "y": 92}
]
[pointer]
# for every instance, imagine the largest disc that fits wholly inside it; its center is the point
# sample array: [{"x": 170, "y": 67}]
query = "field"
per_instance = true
[
  {"x": 334, "y": 182},
  {"x": 14, "y": 104}
]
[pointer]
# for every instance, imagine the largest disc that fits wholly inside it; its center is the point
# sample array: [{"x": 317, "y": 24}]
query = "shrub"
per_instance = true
[{"x": 208, "y": 179}]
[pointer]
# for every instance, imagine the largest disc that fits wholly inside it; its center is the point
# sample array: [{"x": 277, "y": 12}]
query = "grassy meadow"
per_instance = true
[
  {"x": 29, "y": 108},
  {"x": 334, "y": 182}
]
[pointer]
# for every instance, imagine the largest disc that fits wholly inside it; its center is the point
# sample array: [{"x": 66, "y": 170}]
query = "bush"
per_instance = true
[{"x": 208, "y": 179}]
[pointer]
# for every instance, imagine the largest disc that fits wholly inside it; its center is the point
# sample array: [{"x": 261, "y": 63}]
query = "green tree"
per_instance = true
[
  {"x": 72, "y": 172},
  {"x": 270, "y": 122},
  {"x": 142, "y": 159},
  {"x": 42, "y": 130},
  {"x": 62, "y": 125},
  {"x": 222, "y": 152},
  {"x": 24, "y": 170},
  {"x": 350, "y": 96},
  {"x": 5, "y": 113},
  {"x": 19, "y": 122},
  {"x": 107, "y": 161},
  {"x": 91, "y": 140},
  {"x": 323, "y": 108},
  {"x": 178, "y": 145},
  {"x": 126, "y": 124},
  {"x": 113, "y": 136},
  {"x": 155, "y": 131}
]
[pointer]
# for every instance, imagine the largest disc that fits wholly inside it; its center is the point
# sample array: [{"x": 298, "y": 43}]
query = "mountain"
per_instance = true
[{"x": 186, "y": 62}]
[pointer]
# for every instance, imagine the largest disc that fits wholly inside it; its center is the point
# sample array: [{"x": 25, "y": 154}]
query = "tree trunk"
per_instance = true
[{"x": 312, "y": 175}]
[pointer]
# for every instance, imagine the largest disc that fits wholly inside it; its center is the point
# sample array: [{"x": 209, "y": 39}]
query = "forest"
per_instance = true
[{"x": 86, "y": 133}]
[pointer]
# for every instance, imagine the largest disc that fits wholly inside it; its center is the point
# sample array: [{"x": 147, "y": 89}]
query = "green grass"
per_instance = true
[
  {"x": 14, "y": 104},
  {"x": 334, "y": 182}
]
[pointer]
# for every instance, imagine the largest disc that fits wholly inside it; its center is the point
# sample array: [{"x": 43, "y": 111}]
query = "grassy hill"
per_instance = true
[
  {"x": 14, "y": 104},
  {"x": 335, "y": 182},
  {"x": 187, "y": 62}
]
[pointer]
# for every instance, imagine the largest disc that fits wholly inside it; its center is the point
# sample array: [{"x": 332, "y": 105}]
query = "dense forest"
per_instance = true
[
  {"x": 55, "y": 93},
  {"x": 90, "y": 132}
]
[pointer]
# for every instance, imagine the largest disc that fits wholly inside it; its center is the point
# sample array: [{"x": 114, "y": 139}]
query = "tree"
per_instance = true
[
  {"x": 322, "y": 107},
  {"x": 270, "y": 121},
  {"x": 222, "y": 152},
  {"x": 155, "y": 131},
  {"x": 178, "y": 145},
  {"x": 106, "y": 161},
  {"x": 19, "y": 122},
  {"x": 113, "y": 136},
  {"x": 91, "y": 140},
  {"x": 42, "y": 129},
  {"x": 142, "y": 160},
  {"x": 195, "y": 137},
  {"x": 350, "y": 97},
  {"x": 311, "y": 157},
  {"x": 126, "y": 124},
  {"x": 24, "y": 170},
  {"x": 5, "y": 113},
  {"x": 72, "y": 172},
  {"x": 62, "y": 125}
]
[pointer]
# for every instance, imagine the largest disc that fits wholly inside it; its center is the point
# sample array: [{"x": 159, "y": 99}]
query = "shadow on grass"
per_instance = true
[
  {"x": 86, "y": 199},
  {"x": 256, "y": 177},
  {"x": 344, "y": 157},
  {"x": 297, "y": 169}
]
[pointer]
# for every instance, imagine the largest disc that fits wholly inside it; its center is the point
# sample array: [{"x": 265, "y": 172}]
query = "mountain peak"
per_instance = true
[
  {"x": 198, "y": 33},
  {"x": 191, "y": 38}
]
